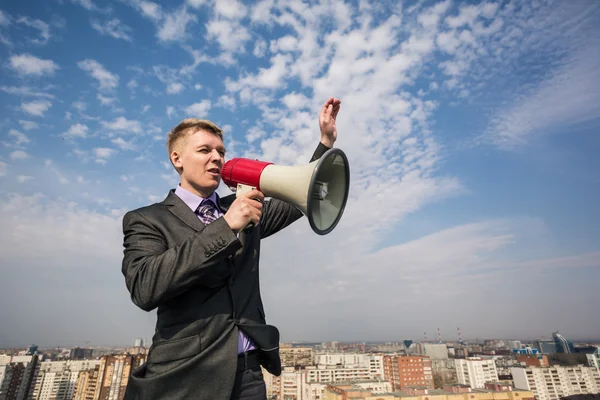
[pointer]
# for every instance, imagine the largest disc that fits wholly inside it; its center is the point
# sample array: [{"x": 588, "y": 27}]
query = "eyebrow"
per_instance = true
[{"x": 207, "y": 146}]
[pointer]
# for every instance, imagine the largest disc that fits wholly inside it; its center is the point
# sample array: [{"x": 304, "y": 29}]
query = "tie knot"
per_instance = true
[{"x": 206, "y": 211}]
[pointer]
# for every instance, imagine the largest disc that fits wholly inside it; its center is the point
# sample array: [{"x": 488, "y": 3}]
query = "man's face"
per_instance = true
[{"x": 201, "y": 156}]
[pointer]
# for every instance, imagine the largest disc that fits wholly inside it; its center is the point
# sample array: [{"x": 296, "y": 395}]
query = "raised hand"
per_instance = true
[{"x": 327, "y": 121}]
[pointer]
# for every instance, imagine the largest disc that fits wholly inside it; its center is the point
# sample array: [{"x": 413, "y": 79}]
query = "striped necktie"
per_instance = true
[{"x": 207, "y": 211}]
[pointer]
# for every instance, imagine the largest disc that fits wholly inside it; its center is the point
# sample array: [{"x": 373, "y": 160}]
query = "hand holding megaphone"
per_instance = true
[{"x": 245, "y": 210}]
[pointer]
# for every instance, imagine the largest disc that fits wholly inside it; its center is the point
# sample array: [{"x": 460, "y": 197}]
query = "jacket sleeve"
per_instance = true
[
  {"x": 278, "y": 214},
  {"x": 155, "y": 272}
]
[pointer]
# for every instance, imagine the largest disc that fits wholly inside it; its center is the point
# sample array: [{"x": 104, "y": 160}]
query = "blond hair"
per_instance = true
[{"x": 185, "y": 128}]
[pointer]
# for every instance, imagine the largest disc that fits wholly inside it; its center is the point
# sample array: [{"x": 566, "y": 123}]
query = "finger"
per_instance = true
[
  {"x": 254, "y": 194},
  {"x": 328, "y": 113},
  {"x": 255, "y": 217},
  {"x": 256, "y": 204},
  {"x": 335, "y": 112},
  {"x": 329, "y": 100}
]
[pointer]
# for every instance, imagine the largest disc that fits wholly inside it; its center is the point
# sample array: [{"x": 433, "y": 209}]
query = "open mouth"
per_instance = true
[{"x": 214, "y": 171}]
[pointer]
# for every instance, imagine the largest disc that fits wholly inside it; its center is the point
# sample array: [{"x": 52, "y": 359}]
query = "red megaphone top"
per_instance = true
[{"x": 244, "y": 171}]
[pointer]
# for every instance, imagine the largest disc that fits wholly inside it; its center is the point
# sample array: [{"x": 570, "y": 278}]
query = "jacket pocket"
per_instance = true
[{"x": 175, "y": 349}]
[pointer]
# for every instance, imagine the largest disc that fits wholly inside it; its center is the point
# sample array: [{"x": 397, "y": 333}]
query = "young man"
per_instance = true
[{"x": 190, "y": 258}]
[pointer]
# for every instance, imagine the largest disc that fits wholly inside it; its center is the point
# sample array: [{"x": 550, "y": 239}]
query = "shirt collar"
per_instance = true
[{"x": 192, "y": 200}]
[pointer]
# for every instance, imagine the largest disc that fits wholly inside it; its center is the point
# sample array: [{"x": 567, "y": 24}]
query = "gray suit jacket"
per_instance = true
[{"x": 204, "y": 282}]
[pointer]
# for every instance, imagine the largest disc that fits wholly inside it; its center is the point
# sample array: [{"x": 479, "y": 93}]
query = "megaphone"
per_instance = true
[{"x": 319, "y": 189}]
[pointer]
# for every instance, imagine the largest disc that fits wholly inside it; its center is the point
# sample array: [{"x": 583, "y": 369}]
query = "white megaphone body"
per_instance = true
[{"x": 319, "y": 189}]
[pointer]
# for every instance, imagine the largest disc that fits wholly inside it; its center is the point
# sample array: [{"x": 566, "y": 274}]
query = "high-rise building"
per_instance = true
[
  {"x": 546, "y": 346},
  {"x": 562, "y": 344},
  {"x": 57, "y": 380},
  {"x": 475, "y": 372},
  {"x": 17, "y": 377},
  {"x": 557, "y": 382},
  {"x": 594, "y": 359},
  {"x": 407, "y": 371},
  {"x": 514, "y": 344}
]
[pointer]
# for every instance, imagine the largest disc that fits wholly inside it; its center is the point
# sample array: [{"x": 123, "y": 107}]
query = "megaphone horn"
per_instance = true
[{"x": 319, "y": 189}]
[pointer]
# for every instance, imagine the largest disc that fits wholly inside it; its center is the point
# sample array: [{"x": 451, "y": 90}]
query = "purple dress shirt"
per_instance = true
[{"x": 193, "y": 201}]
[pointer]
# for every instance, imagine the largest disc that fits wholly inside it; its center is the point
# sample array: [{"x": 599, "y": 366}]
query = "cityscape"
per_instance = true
[
  {"x": 550, "y": 368},
  {"x": 465, "y": 265}
]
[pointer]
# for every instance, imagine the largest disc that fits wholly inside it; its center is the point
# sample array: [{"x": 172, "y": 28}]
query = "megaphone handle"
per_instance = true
[{"x": 241, "y": 189}]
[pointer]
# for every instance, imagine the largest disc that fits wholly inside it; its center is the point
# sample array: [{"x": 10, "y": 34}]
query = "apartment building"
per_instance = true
[
  {"x": 405, "y": 371},
  {"x": 475, "y": 372},
  {"x": 554, "y": 383},
  {"x": 451, "y": 392}
]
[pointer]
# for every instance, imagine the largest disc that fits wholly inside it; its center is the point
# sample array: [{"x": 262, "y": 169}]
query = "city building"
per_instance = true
[
  {"x": 374, "y": 362},
  {"x": 475, "y": 372},
  {"x": 404, "y": 371},
  {"x": 514, "y": 344},
  {"x": 296, "y": 356},
  {"x": 557, "y": 382},
  {"x": 57, "y": 380},
  {"x": 546, "y": 346},
  {"x": 540, "y": 360},
  {"x": 594, "y": 359},
  {"x": 562, "y": 344},
  {"x": 349, "y": 391},
  {"x": 435, "y": 351}
]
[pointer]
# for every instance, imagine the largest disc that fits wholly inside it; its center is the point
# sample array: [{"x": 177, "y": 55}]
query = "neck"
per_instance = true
[{"x": 205, "y": 193}]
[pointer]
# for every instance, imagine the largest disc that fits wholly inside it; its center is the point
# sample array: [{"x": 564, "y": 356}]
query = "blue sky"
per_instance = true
[{"x": 471, "y": 130}]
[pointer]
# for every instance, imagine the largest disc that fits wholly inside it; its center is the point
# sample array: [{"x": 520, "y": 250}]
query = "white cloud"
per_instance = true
[
  {"x": 114, "y": 28},
  {"x": 18, "y": 155},
  {"x": 27, "y": 64},
  {"x": 41, "y": 26},
  {"x": 24, "y": 178},
  {"x": 105, "y": 101},
  {"x": 87, "y": 4},
  {"x": 231, "y": 9},
  {"x": 170, "y": 111},
  {"x": 123, "y": 144},
  {"x": 122, "y": 124},
  {"x": 230, "y": 35},
  {"x": 20, "y": 138},
  {"x": 227, "y": 102},
  {"x": 175, "y": 24},
  {"x": 106, "y": 79},
  {"x": 76, "y": 130},
  {"x": 260, "y": 48},
  {"x": 37, "y": 107},
  {"x": 198, "y": 110},
  {"x": 25, "y": 91},
  {"x": 5, "y": 19},
  {"x": 269, "y": 78},
  {"x": 51, "y": 225},
  {"x": 3, "y": 168},
  {"x": 28, "y": 125},
  {"x": 569, "y": 96},
  {"x": 80, "y": 106},
  {"x": 175, "y": 88},
  {"x": 102, "y": 154},
  {"x": 195, "y": 3},
  {"x": 296, "y": 101}
]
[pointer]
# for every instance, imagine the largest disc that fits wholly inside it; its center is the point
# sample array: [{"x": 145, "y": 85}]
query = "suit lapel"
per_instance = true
[{"x": 183, "y": 212}]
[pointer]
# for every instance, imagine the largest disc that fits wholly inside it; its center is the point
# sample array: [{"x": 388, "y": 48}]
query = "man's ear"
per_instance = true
[{"x": 176, "y": 159}]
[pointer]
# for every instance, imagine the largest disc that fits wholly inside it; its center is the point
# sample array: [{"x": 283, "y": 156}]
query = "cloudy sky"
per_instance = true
[{"x": 471, "y": 130}]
